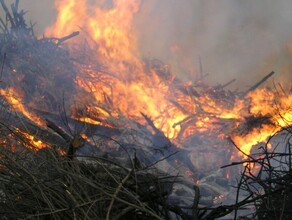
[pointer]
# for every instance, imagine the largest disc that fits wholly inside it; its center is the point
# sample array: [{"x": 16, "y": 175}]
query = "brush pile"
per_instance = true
[
  {"x": 51, "y": 183},
  {"x": 53, "y": 165},
  {"x": 37, "y": 67}
]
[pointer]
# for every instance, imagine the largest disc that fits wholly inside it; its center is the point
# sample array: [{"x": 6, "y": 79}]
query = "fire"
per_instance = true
[
  {"x": 126, "y": 87},
  {"x": 112, "y": 86},
  {"x": 277, "y": 109},
  {"x": 15, "y": 101},
  {"x": 33, "y": 142},
  {"x": 110, "y": 30},
  {"x": 131, "y": 90}
]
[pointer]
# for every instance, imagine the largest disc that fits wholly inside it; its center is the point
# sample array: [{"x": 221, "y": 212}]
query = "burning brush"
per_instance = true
[{"x": 90, "y": 131}]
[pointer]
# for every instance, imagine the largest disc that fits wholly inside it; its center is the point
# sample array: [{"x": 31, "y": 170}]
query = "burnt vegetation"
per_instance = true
[{"x": 59, "y": 182}]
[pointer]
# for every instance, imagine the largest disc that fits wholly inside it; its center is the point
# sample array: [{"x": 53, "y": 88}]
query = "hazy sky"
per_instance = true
[{"x": 235, "y": 39}]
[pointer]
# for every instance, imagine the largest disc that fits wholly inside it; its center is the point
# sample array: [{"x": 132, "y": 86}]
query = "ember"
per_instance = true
[{"x": 84, "y": 98}]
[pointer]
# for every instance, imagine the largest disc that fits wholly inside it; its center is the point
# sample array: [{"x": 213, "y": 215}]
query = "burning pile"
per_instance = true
[{"x": 94, "y": 99}]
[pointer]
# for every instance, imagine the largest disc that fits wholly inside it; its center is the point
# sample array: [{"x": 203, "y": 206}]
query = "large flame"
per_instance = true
[
  {"x": 109, "y": 31},
  {"x": 131, "y": 89},
  {"x": 277, "y": 107},
  {"x": 120, "y": 83}
]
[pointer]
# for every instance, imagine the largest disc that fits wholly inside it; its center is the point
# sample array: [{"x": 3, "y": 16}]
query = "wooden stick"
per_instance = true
[
  {"x": 58, "y": 130},
  {"x": 16, "y": 5},
  {"x": 7, "y": 13},
  {"x": 20, "y": 122},
  {"x": 225, "y": 85},
  {"x": 151, "y": 124},
  {"x": 61, "y": 40},
  {"x": 260, "y": 82}
]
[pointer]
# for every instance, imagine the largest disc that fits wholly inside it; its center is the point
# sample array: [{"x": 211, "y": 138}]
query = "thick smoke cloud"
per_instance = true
[{"x": 234, "y": 39}]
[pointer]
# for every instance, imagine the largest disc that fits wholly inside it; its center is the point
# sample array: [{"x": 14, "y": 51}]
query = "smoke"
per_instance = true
[{"x": 234, "y": 39}]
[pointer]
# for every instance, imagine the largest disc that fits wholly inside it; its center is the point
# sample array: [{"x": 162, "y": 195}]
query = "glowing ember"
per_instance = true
[
  {"x": 38, "y": 144},
  {"x": 15, "y": 100},
  {"x": 30, "y": 141}
]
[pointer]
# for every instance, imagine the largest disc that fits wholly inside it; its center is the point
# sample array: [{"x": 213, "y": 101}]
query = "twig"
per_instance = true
[
  {"x": 2, "y": 66},
  {"x": 160, "y": 160},
  {"x": 225, "y": 85},
  {"x": 58, "y": 130},
  {"x": 259, "y": 83},
  {"x": 151, "y": 124},
  {"x": 247, "y": 155},
  {"x": 196, "y": 203},
  {"x": 116, "y": 194},
  {"x": 237, "y": 192},
  {"x": 8, "y": 13},
  {"x": 61, "y": 40},
  {"x": 122, "y": 213}
]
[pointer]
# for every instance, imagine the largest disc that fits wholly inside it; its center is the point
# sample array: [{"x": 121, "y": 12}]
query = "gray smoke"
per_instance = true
[{"x": 234, "y": 39}]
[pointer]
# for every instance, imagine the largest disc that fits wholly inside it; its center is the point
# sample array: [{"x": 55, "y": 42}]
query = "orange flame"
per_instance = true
[
  {"x": 15, "y": 101},
  {"x": 125, "y": 86},
  {"x": 110, "y": 32},
  {"x": 109, "y": 29},
  {"x": 277, "y": 108},
  {"x": 36, "y": 144}
]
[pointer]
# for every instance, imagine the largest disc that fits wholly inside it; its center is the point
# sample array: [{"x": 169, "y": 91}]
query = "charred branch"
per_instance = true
[
  {"x": 61, "y": 40},
  {"x": 18, "y": 122},
  {"x": 58, "y": 130},
  {"x": 225, "y": 85},
  {"x": 255, "y": 86},
  {"x": 158, "y": 139},
  {"x": 150, "y": 122},
  {"x": 8, "y": 14},
  {"x": 73, "y": 143}
]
